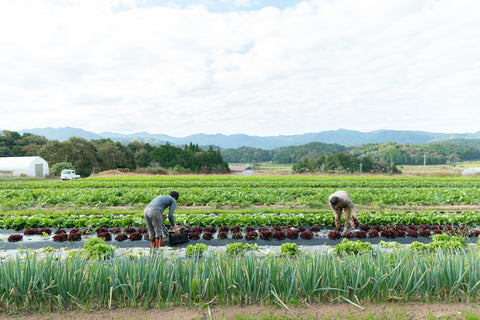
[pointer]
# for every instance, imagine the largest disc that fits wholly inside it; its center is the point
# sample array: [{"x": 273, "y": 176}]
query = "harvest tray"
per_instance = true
[{"x": 172, "y": 238}]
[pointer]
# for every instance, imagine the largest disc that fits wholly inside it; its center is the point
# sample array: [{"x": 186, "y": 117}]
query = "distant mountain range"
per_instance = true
[{"x": 340, "y": 136}]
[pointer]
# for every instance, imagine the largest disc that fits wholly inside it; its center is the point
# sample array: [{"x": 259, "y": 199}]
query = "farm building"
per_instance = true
[
  {"x": 471, "y": 172},
  {"x": 245, "y": 170},
  {"x": 26, "y": 166}
]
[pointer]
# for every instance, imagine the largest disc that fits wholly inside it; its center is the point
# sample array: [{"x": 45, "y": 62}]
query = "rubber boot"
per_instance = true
[
  {"x": 152, "y": 244},
  {"x": 158, "y": 242}
]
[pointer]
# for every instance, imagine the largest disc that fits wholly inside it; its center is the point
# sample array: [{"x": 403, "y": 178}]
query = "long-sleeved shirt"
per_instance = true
[
  {"x": 162, "y": 202},
  {"x": 345, "y": 202}
]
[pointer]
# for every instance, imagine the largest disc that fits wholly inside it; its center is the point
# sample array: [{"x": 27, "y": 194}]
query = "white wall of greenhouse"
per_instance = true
[{"x": 27, "y": 166}]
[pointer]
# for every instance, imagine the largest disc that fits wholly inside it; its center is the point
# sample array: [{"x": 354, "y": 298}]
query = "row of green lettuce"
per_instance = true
[
  {"x": 81, "y": 219},
  {"x": 236, "y": 196},
  {"x": 247, "y": 181}
]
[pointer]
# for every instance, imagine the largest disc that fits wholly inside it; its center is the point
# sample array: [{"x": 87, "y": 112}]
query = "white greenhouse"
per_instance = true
[{"x": 24, "y": 166}]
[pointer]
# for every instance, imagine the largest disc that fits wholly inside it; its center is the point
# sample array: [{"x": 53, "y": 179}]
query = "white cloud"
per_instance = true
[{"x": 128, "y": 66}]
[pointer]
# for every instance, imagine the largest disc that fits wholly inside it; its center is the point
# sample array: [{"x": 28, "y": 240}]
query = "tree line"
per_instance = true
[
  {"x": 282, "y": 155},
  {"x": 343, "y": 162},
  {"x": 389, "y": 152},
  {"x": 104, "y": 154}
]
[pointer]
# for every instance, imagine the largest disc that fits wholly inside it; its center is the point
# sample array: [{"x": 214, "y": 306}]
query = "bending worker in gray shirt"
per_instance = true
[
  {"x": 153, "y": 215},
  {"x": 339, "y": 201}
]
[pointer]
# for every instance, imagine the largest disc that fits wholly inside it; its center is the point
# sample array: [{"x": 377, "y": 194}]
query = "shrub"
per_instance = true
[
  {"x": 222, "y": 235},
  {"x": 279, "y": 235},
  {"x": 207, "y": 235},
  {"x": 266, "y": 235},
  {"x": 196, "y": 250},
  {"x": 252, "y": 235},
  {"x": 289, "y": 249},
  {"x": 307, "y": 235},
  {"x": 15, "y": 238},
  {"x": 135, "y": 236},
  {"x": 107, "y": 236},
  {"x": 121, "y": 237}
]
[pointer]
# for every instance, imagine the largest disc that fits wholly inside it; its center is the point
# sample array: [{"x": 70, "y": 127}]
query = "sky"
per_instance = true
[{"x": 253, "y": 67}]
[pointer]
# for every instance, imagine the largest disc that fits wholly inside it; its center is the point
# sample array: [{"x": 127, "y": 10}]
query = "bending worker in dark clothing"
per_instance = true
[
  {"x": 339, "y": 201},
  {"x": 153, "y": 215}
]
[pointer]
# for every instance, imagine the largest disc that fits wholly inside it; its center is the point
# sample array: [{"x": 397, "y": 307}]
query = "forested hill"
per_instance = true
[
  {"x": 389, "y": 152},
  {"x": 289, "y": 154}
]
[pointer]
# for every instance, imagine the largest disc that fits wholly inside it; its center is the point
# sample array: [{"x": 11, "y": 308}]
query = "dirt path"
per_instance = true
[{"x": 402, "y": 311}]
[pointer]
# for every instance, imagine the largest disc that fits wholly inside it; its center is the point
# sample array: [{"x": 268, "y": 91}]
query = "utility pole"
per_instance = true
[{"x": 424, "y": 163}]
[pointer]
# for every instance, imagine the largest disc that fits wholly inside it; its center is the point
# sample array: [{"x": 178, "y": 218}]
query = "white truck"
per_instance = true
[{"x": 69, "y": 174}]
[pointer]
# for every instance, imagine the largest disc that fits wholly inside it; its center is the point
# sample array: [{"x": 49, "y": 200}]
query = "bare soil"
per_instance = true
[{"x": 405, "y": 310}]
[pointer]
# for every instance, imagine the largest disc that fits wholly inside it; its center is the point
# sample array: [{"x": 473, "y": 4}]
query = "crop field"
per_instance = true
[
  {"x": 216, "y": 191},
  {"x": 438, "y": 219}
]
